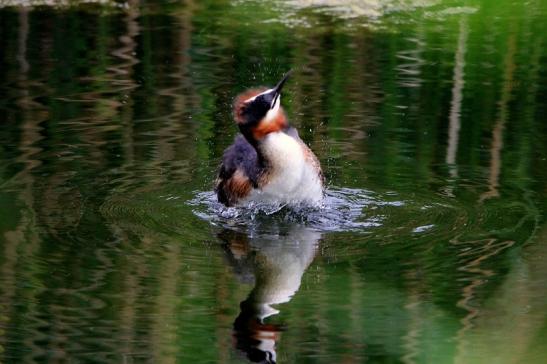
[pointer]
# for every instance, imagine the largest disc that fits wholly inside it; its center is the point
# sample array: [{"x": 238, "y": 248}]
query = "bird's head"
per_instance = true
[{"x": 258, "y": 112}]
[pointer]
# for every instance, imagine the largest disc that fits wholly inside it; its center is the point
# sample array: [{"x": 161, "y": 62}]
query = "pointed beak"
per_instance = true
[{"x": 276, "y": 91}]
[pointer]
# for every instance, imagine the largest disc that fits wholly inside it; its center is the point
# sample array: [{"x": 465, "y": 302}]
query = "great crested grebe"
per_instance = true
[{"x": 268, "y": 162}]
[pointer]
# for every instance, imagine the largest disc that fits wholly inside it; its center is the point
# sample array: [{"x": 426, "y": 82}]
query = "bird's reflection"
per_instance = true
[{"x": 276, "y": 263}]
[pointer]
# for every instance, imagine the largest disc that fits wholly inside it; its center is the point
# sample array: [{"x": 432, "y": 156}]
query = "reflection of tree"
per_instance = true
[
  {"x": 515, "y": 313},
  {"x": 497, "y": 133},
  {"x": 456, "y": 102},
  {"x": 487, "y": 248},
  {"x": 21, "y": 241}
]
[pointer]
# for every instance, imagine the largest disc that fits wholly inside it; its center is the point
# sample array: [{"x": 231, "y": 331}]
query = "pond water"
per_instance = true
[{"x": 428, "y": 117}]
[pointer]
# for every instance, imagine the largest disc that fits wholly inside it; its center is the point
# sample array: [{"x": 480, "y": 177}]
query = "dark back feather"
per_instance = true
[{"x": 242, "y": 156}]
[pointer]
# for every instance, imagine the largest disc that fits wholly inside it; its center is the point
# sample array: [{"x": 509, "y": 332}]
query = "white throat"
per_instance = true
[{"x": 274, "y": 111}]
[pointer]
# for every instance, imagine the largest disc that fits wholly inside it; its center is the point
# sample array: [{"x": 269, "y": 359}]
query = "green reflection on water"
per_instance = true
[{"x": 115, "y": 117}]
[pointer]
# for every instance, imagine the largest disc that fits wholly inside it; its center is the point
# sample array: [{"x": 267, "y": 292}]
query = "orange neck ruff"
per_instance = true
[{"x": 265, "y": 127}]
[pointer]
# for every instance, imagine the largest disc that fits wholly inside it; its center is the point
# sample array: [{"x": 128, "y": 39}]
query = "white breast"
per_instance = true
[{"x": 293, "y": 178}]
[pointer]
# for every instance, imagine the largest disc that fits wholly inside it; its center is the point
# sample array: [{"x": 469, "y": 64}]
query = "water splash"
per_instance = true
[{"x": 343, "y": 209}]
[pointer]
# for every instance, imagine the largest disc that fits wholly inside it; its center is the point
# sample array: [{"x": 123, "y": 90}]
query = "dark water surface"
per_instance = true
[{"x": 430, "y": 121}]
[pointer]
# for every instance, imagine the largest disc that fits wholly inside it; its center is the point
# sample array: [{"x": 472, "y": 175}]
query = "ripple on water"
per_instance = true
[{"x": 387, "y": 216}]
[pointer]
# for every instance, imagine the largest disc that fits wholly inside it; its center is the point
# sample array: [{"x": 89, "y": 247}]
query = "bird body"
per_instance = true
[
  {"x": 268, "y": 163},
  {"x": 293, "y": 175}
]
